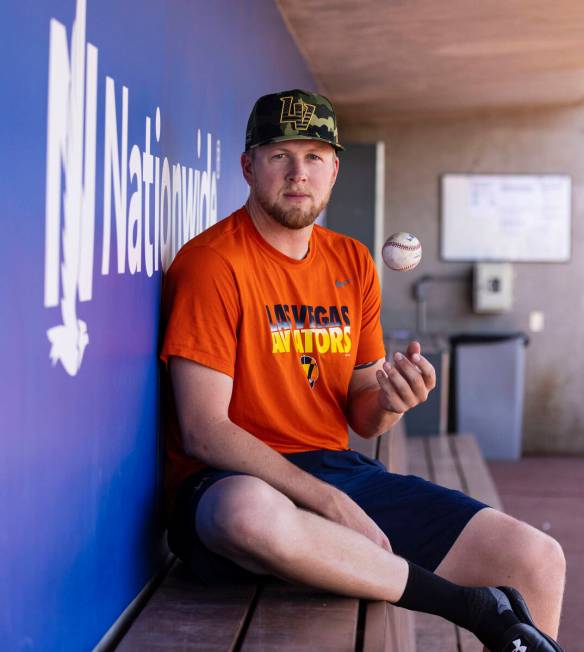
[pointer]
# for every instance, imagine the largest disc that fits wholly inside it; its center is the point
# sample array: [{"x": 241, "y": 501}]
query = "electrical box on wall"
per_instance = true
[{"x": 492, "y": 287}]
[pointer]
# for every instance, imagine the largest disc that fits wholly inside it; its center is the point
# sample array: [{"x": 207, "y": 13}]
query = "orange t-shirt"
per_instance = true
[{"x": 289, "y": 332}]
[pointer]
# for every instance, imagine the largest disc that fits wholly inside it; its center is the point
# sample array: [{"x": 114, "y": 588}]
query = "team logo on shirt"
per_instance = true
[
  {"x": 310, "y": 367},
  {"x": 308, "y": 329},
  {"x": 305, "y": 330}
]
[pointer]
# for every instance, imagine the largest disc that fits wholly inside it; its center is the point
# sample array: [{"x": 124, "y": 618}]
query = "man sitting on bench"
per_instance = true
[{"x": 274, "y": 344}]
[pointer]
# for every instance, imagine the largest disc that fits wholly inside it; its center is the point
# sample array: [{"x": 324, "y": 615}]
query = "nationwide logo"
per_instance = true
[
  {"x": 170, "y": 202},
  {"x": 298, "y": 113}
]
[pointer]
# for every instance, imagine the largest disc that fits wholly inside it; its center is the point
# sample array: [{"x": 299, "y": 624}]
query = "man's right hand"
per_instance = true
[{"x": 344, "y": 510}]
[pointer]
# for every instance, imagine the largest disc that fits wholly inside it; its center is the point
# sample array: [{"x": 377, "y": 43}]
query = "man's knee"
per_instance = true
[
  {"x": 543, "y": 557},
  {"x": 530, "y": 553},
  {"x": 243, "y": 515},
  {"x": 497, "y": 548}
]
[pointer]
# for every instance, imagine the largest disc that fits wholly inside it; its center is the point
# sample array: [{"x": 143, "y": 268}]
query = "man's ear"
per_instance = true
[{"x": 247, "y": 167}]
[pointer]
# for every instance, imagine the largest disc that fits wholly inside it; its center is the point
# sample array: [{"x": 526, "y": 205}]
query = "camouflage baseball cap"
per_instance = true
[{"x": 292, "y": 115}]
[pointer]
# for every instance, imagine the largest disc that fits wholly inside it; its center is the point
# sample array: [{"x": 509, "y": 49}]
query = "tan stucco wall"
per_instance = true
[{"x": 546, "y": 141}]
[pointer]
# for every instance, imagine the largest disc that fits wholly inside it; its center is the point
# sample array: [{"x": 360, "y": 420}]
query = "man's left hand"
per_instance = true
[{"x": 407, "y": 382}]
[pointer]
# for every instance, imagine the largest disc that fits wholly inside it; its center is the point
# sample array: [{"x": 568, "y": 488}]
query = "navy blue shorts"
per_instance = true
[{"x": 421, "y": 520}]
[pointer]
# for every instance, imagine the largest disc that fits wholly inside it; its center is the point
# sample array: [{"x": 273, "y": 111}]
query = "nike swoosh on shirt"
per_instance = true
[{"x": 340, "y": 284}]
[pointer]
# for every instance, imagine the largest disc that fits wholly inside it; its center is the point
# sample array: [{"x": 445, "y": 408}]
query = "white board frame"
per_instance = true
[{"x": 506, "y": 217}]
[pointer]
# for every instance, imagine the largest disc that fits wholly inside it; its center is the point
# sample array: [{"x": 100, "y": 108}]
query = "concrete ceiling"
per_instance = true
[{"x": 386, "y": 60}]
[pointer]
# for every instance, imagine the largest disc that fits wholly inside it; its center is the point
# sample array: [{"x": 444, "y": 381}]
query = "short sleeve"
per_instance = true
[
  {"x": 371, "y": 346},
  {"x": 201, "y": 310}
]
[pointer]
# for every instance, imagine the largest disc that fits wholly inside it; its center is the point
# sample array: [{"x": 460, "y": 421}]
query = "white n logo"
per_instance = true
[{"x": 71, "y": 150}]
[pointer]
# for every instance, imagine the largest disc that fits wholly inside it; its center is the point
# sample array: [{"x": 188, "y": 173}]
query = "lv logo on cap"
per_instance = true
[{"x": 299, "y": 113}]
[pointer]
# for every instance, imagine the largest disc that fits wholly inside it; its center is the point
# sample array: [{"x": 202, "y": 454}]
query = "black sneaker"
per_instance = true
[{"x": 525, "y": 637}]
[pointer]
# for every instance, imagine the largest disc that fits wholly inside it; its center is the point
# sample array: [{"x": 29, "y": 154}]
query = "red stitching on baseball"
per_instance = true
[
  {"x": 404, "y": 269},
  {"x": 403, "y": 246}
]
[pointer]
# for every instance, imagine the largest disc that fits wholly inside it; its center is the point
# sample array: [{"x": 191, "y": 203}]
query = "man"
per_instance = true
[{"x": 274, "y": 344}]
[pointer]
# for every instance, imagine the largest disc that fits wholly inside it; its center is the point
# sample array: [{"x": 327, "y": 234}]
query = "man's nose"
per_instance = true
[{"x": 297, "y": 170}]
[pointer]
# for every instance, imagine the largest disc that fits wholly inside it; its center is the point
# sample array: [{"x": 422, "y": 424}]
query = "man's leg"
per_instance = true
[
  {"x": 495, "y": 549},
  {"x": 244, "y": 519},
  {"x": 297, "y": 545}
]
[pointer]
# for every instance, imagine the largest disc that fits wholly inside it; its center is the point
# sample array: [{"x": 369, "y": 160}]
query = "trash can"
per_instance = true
[{"x": 487, "y": 391}]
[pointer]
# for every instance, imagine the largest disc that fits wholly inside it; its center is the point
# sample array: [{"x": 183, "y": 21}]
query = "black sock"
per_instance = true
[{"x": 475, "y": 609}]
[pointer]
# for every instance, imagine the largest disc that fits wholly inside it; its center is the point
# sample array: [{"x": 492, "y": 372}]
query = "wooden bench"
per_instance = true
[
  {"x": 274, "y": 616},
  {"x": 455, "y": 462}
]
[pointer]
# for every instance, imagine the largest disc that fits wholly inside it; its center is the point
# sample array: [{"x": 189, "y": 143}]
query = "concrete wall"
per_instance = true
[{"x": 544, "y": 141}]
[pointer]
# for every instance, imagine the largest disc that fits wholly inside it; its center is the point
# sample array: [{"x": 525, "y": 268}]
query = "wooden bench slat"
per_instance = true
[
  {"x": 435, "y": 634},
  {"x": 475, "y": 472},
  {"x": 417, "y": 457},
  {"x": 385, "y": 455},
  {"x": 388, "y": 629},
  {"x": 444, "y": 467},
  {"x": 393, "y": 449},
  {"x": 361, "y": 445},
  {"x": 379, "y": 634},
  {"x": 183, "y": 615},
  {"x": 469, "y": 642},
  {"x": 405, "y": 629},
  {"x": 302, "y": 619}
]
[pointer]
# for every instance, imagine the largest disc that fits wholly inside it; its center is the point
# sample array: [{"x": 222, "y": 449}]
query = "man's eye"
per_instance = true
[
  {"x": 279, "y": 156},
  {"x": 315, "y": 157}
]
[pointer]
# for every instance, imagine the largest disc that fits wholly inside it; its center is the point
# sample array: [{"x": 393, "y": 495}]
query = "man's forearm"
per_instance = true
[
  {"x": 366, "y": 415},
  {"x": 227, "y": 446}
]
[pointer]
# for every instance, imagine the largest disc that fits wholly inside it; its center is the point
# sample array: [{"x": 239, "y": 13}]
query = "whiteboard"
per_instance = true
[{"x": 516, "y": 218}]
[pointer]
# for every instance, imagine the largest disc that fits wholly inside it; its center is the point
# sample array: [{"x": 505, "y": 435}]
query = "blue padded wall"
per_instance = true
[{"x": 144, "y": 103}]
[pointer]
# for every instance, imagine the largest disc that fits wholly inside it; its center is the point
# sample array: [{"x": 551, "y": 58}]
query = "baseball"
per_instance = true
[{"x": 402, "y": 251}]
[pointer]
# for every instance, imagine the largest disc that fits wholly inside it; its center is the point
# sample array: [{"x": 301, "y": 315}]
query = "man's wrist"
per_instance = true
[
  {"x": 329, "y": 501},
  {"x": 382, "y": 402},
  {"x": 309, "y": 492}
]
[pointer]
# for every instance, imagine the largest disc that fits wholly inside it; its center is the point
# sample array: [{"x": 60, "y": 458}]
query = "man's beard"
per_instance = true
[{"x": 294, "y": 217}]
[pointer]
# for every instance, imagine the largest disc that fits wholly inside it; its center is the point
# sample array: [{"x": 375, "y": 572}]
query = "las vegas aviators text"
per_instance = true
[{"x": 309, "y": 328}]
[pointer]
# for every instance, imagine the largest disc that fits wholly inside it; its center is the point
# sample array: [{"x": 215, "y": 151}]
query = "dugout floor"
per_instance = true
[{"x": 548, "y": 493}]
